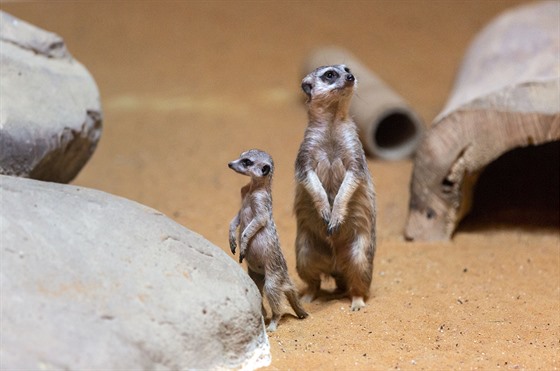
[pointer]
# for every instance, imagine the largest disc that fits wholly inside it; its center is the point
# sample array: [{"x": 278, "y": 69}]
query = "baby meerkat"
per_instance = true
[
  {"x": 335, "y": 197},
  {"x": 258, "y": 238}
]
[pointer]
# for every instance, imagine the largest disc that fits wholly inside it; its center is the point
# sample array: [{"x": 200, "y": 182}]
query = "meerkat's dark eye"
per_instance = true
[
  {"x": 330, "y": 76},
  {"x": 347, "y": 69},
  {"x": 430, "y": 213},
  {"x": 246, "y": 162},
  {"x": 265, "y": 170}
]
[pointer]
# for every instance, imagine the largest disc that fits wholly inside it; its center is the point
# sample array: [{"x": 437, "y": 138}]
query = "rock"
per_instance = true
[
  {"x": 90, "y": 280},
  {"x": 50, "y": 116}
]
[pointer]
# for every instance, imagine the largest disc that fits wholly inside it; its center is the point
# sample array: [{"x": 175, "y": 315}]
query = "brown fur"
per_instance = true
[
  {"x": 258, "y": 239},
  {"x": 335, "y": 197}
]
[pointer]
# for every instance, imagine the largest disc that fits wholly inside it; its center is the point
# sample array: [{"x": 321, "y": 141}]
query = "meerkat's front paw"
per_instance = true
[
  {"x": 332, "y": 228},
  {"x": 242, "y": 251},
  {"x": 325, "y": 214},
  {"x": 338, "y": 216},
  {"x": 334, "y": 225},
  {"x": 232, "y": 245},
  {"x": 357, "y": 303}
]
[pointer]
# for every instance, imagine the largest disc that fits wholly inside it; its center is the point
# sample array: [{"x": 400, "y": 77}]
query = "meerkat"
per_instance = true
[
  {"x": 335, "y": 197},
  {"x": 258, "y": 239}
]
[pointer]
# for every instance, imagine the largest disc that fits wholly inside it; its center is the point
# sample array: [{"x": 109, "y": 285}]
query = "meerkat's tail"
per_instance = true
[{"x": 293, "y": 299}]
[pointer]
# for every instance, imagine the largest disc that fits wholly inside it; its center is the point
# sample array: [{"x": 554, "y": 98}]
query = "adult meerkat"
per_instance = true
[
  {"x": 335, "y": 197},
  {"x": 258, "y": 239}
]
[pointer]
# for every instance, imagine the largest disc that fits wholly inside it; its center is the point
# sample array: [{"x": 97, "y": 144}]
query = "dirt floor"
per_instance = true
[{"x": 187, "y": 86}]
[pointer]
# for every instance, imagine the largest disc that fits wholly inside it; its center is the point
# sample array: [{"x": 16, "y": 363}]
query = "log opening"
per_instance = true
[
  {"x": 395, "y": 130},
  {"x": 520, "y": 189}
]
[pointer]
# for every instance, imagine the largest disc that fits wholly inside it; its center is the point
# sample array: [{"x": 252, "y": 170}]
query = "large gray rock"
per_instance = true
[
  {"x": 94, "y": 281},
  {"x": 50, "y": 116}
]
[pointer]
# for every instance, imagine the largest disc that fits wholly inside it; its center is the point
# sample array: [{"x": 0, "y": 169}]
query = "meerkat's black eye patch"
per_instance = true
[
  {"x": 246, "y": 162},
  {"x": 430, "y": 213},
  {"x": 347, "y": 69},
  {"x": 265, "y": 170},
  {"x": 330, "y": 76}
]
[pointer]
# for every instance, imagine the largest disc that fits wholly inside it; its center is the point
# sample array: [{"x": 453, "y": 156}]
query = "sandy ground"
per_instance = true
[{"x": 187, "y": 86}]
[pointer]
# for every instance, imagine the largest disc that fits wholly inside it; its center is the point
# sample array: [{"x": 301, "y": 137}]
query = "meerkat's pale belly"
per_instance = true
[{"x": 331, "y": 175}]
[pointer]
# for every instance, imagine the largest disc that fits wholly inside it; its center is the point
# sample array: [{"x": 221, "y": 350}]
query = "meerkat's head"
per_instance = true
[
  {"x": 329, "y": 84},
  {"x": 255, "y": 163}
]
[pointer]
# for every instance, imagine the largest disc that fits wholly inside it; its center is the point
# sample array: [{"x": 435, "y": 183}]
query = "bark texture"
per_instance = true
[{"x": 506, "y": 96}]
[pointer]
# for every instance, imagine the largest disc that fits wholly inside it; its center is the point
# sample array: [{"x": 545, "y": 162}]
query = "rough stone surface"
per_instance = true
[
  {"x": 94, "y": 281},
  {"x": 50, "y": 112}
]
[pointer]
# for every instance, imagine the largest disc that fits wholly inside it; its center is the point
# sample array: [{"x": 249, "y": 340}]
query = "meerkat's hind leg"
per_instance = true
[
  {"x": 357, "y": 303},
  {"x": 258, "y": 279},
  {"x": 357, "y": 267},
  {"x": 341, "y": 284},
  {"x": 312, "y": 290},
  {"x": 273, "y": 324},
  {"x": 313, "y": 259},
  {"x": 273, "y": 292}
]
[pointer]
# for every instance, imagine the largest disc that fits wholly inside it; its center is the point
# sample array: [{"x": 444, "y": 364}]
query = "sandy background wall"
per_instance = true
[{"x": 186, "y": 86}]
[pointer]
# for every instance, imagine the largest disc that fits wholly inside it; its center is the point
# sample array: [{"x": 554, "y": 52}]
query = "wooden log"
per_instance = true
[
  {"x": 506, "y": 96},
  {"x": 389, "y": 128}
]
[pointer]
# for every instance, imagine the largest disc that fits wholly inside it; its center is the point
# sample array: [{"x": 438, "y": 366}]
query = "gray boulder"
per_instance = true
[
  {"x": 50, "y": 116},
  {"x": 94, "y": 281}
]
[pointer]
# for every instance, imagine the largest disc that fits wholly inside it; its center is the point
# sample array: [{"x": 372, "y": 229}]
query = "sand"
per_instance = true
[{"x": 187, "y": 86}]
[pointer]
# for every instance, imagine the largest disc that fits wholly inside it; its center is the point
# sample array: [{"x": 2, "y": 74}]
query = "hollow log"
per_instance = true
[
  {"x": 389, "y": 128},
  {"x": 506, "y": 96}
]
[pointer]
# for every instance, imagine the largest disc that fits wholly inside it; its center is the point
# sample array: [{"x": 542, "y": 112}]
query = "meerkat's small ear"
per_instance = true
[
  {"x": 265, "y": 170},
  {"x": 307, "y": 87}
]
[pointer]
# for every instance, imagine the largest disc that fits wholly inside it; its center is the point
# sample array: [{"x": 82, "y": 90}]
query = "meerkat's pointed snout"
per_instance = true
[{"x": 350, "y": 77}]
